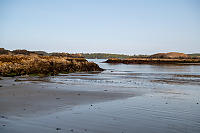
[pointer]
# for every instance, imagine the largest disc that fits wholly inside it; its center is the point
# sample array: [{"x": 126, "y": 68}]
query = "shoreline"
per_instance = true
[{"x": 154, "y": 61}]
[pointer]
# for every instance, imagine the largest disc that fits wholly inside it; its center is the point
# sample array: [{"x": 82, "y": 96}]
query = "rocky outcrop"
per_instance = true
[
  {"x": 153, "y": 61},
  {"x": 16, "y": 65}
]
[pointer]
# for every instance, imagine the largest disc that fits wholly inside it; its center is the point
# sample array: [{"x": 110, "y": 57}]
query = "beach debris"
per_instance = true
[
  {"x": 72, "y": 130},
  {"x": 197, "y": 103},
  {"x": 79, "y": 94},
  {"x": 105, "y": 90},
  {"x": 1, "y": 86}
]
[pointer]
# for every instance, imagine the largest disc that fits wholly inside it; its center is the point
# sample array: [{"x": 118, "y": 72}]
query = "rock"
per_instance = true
[
  {"x": 4, "y": 117},
  {"x": 18, "y": 80},
  {"x": 22, "y": 64},
  {"x": 58, "y": 128}
]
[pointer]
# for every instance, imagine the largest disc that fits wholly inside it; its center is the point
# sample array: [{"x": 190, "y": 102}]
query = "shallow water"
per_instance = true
[{"x": 169, "y": 102}]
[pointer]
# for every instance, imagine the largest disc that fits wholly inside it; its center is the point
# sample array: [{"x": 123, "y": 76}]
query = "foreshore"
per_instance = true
[
  {"x": 109, "y": 101},
  {"x": 43, "y": 97}
]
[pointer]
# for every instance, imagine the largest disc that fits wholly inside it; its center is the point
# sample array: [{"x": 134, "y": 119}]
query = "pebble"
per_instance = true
[
  {"x": 3, "y": 117},
  {"x": 58, "y": 128}
]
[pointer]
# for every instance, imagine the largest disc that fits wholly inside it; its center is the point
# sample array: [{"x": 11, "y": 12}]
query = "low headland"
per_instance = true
[
  {"x": 23, "y": 62},
  {"x": 160, "y": 58}
]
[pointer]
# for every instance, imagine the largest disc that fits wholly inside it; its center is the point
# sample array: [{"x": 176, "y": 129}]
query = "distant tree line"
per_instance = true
[
  {"x": 195, "y": 55},
  {"x": 107, "y": 56},
  {"x": 84, "y": 55}
]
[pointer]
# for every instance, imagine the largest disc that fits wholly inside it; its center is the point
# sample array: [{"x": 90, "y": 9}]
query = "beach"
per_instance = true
[{"x": 123, "y": 98}]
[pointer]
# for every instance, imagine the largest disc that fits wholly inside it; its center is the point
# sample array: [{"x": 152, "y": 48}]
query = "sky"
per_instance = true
[{"x": 103, "y": 26}]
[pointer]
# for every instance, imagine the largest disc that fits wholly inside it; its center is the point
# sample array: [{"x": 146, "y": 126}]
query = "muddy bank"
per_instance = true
[{"x": 154, "y": 61}]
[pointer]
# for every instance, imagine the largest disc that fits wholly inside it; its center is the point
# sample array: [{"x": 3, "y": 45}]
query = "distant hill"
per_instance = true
[
  {"x": 171, "y": 55},
  {"x": 100, "y": 55}
]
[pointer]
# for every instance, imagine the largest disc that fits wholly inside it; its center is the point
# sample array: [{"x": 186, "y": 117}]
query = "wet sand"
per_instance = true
[{"x": 32, "y": 98}]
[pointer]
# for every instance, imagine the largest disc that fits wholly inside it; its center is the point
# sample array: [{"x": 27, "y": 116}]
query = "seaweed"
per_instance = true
[{"x": 16, "y": 65}]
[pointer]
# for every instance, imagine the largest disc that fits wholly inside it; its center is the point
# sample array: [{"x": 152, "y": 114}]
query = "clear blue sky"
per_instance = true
[{"x": 111, "y": 26}]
